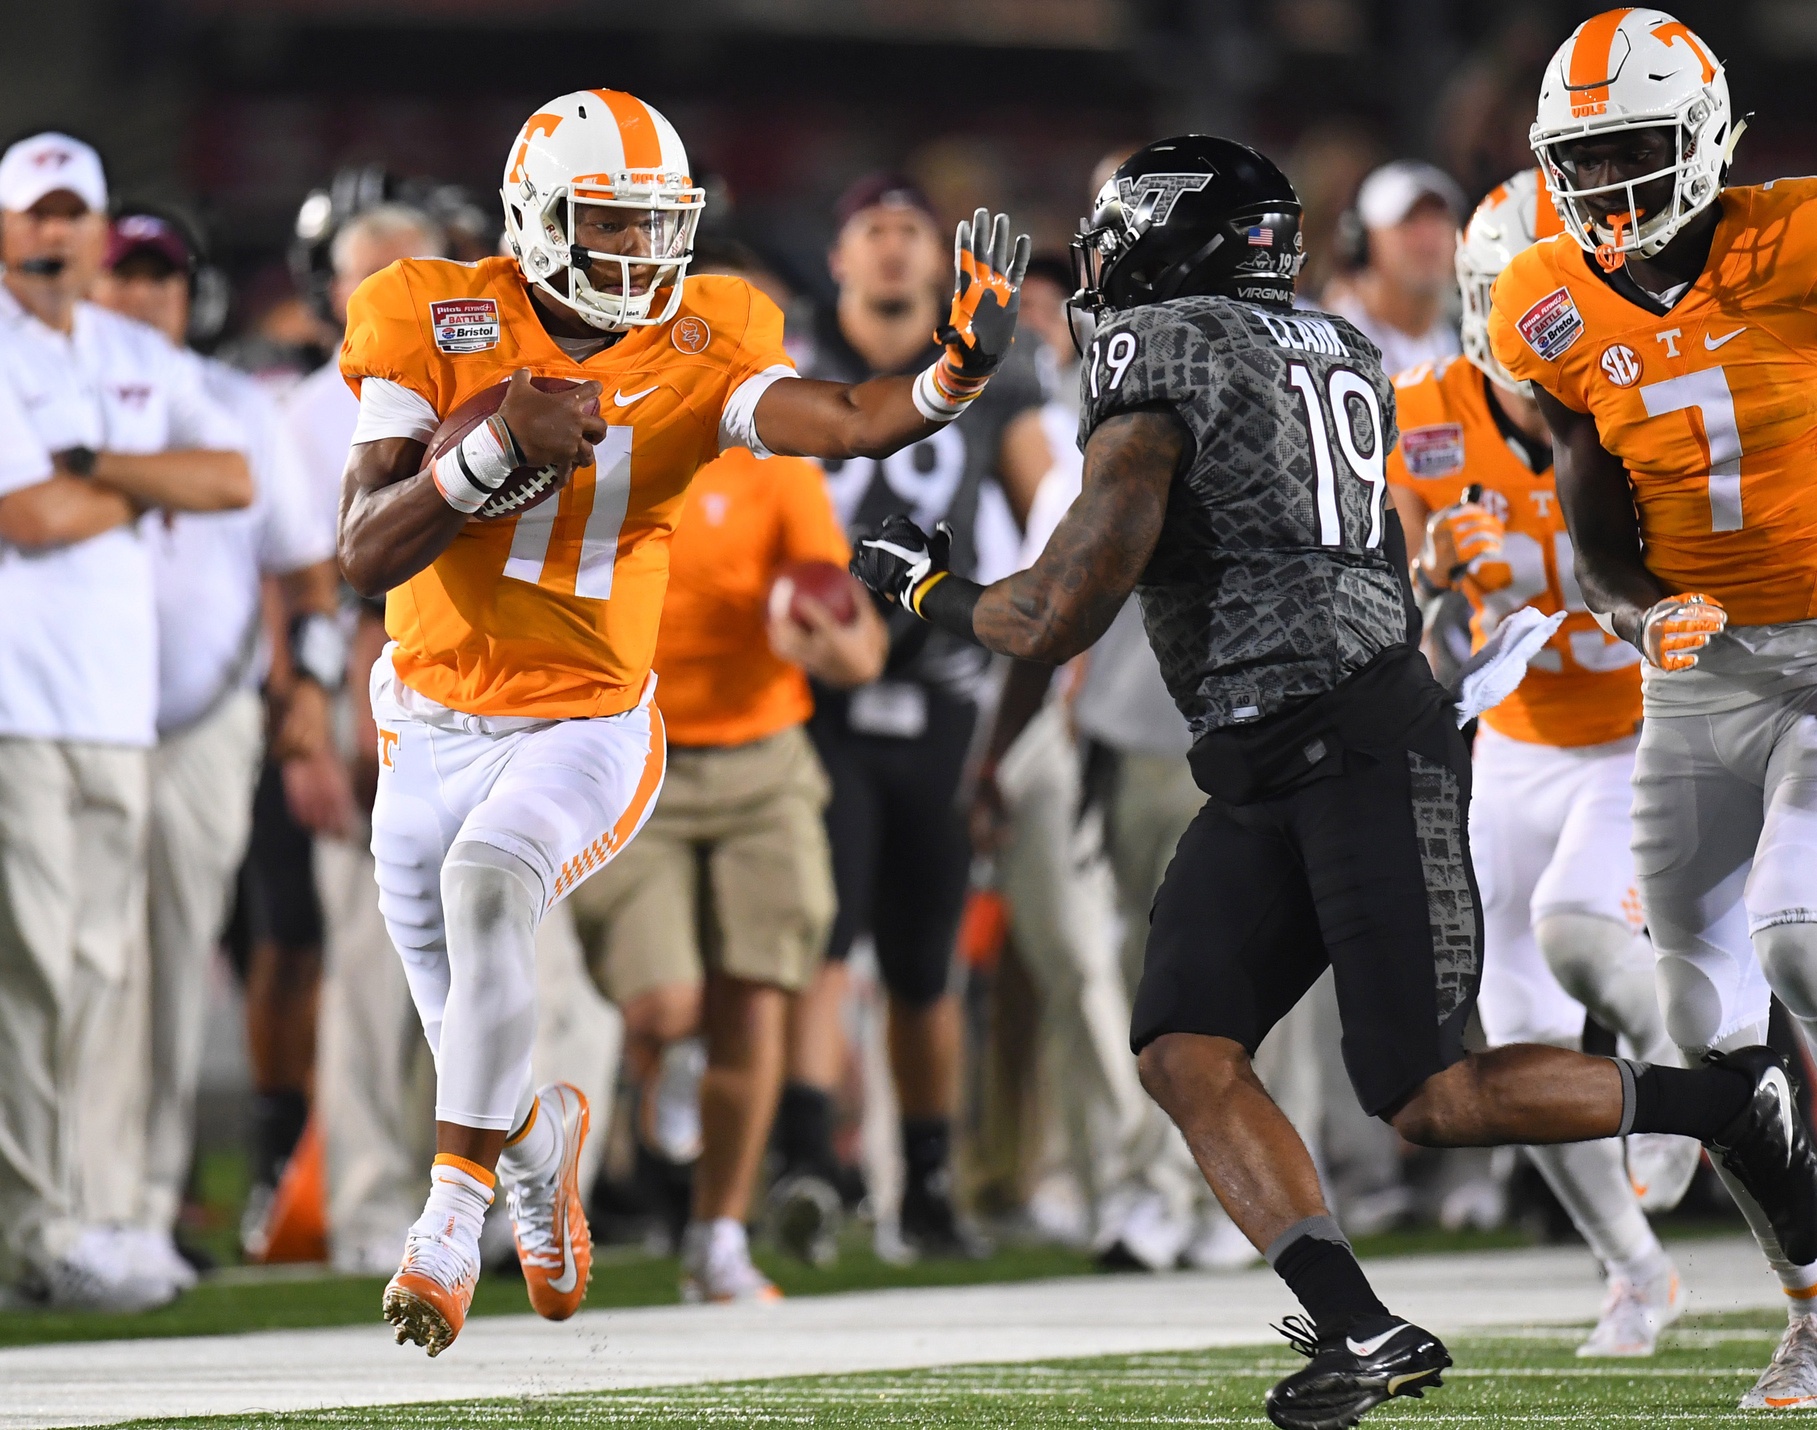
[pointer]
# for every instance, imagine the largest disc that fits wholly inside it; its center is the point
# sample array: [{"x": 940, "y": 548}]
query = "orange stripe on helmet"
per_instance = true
[
  {"x": 1588, "y": 80},
  {"x": 1546, "y": 221},
  {"x": 636, "y": 129}
]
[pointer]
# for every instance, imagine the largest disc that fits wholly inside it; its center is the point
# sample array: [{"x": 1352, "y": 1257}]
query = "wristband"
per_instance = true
[
  {"x": 468, "y": 474},
  {"x": 78, "y": 461},
  {"x": 318, "y": 650},
  {"x": 941, "y": 393},
  {"x": 947, "y": 601}
]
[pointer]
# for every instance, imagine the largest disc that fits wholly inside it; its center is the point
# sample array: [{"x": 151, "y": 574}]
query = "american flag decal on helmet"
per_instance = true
[{"x": 1261, "y": 237}]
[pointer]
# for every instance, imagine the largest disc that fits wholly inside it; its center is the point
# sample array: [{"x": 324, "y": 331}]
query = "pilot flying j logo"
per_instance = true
[
  {"x": 464, "y": 325},
  {"x": 1552, "y": 325},
  {"x": 1165, "y": 189}
]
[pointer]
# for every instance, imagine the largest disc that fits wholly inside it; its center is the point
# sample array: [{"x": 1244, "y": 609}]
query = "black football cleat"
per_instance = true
[
  {"x": 1767, "y": 1151},
  {"x": 1352, "y": 1374}
]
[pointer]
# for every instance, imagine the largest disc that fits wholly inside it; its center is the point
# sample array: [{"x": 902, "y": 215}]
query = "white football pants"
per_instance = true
[{"x": 481, "y": 825}]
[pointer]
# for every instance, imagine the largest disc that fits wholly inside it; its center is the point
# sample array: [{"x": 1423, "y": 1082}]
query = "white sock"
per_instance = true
[
  {"x": 534, "y": 1152},
  {"x": 460, "y": 1193}
]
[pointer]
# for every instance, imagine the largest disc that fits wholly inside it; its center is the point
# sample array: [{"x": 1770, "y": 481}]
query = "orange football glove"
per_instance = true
[
  {"x": 1464, "y": 541},
  {"x": 987, "y": 291},
  {"x": 1675, "y": 629}
]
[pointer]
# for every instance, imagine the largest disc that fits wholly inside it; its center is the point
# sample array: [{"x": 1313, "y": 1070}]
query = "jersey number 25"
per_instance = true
[{"x": 1327, "y": 410}]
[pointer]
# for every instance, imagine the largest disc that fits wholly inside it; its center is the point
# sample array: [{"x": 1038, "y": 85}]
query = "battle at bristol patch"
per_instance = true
[
  {"x": 1433, "y": 451},
  {"x": 464, "y": 325},
  {"x": 1551, "y": 325}
]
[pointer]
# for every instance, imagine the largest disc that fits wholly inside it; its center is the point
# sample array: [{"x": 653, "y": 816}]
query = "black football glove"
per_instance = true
[{"x": 899, "y": 556}]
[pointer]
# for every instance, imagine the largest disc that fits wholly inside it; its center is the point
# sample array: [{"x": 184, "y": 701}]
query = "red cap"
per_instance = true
[
  {"x": 884, "y": 189},
  {"x": 147, "y": 233}
]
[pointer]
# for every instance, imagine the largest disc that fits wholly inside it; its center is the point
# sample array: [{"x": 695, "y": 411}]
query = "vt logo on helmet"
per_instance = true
[
  {"x": 1189, "y": 215},
  {"x": 600, "y": 210},
  {"x": 1634, "y": 131}
]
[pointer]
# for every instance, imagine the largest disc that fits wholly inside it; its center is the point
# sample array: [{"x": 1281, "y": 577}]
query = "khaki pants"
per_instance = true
[
  {"x": 1061, "y": 900},
  {"x": 72, "y": 910},
  {"x": 201, "y": 815},
  {"x": 732, "y": 871}
]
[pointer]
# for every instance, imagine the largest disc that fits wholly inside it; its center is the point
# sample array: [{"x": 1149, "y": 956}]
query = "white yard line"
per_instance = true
[{"x": 512, "y": 1356}]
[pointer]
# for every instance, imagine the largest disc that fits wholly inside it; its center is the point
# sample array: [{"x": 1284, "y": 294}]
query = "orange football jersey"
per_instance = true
[
  {"x": 1583, "y": 688},
  {"x": 554, "y": 613},
  {"x": 719, "y": 683},
  {"x": 1712, "y": 408}
]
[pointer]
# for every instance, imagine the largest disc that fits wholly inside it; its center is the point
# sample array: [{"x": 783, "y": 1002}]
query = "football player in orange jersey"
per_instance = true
[
  {"x": 519, "y": 743},
  {"x": 1552, "y": 765},
  {"x": 1669, "y": 334}
]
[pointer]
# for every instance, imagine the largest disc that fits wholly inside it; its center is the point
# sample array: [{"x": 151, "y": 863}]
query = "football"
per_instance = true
[
  {"x": 832, "y": 586},
  {"x": 526, "y": 486}
]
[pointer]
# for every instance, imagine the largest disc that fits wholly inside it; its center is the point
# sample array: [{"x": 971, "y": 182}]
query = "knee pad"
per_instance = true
[
  {"x": 1691, "y": 1001},
  {"x": 1788, "y": 957},
  {"x": 488, "y": 897},
  {"x": 1584, "y": 951}
]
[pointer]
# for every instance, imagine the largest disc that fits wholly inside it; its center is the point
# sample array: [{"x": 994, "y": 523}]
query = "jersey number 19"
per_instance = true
[{"x": 1329, "y": 410}]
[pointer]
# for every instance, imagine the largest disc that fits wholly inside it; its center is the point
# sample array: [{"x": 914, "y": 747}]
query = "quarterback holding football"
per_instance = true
[{"x": 528, "y": 429}]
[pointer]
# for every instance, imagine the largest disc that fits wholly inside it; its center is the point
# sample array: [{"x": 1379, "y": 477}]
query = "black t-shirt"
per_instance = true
[{"x": 950, "y": 476}]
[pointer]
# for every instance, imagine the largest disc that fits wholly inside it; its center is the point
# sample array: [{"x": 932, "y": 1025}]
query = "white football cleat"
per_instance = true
[
  {"x": 1661, "y": 1167},
  {"x": 1633, "y": 1315},
  {"x": 1790, "y": 1380},
  {"x": 716, "y": 1265},
  {"x": 155, "y": 1254},
  {"x": 1217, "y": 1245},
  {"x": 99, "y": 1273}
]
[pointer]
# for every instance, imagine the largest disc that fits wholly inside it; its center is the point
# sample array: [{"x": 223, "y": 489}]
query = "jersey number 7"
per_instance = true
[{"x": 1328, "y": 410}]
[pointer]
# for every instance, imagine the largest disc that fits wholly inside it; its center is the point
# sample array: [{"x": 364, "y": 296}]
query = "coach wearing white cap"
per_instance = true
[
  {"x": 1402, "y": 236},
  {"x": 101, "y": 421}
]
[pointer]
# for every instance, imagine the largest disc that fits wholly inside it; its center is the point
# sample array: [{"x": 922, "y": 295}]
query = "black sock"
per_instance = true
[
  {"x": 1319, "y": 1267},
  {"x": 927, "y": 1143},
  {"x": 804, "y": 1129},
  {"x": 1690, "y": 1102},
  {"x": 277, "y": 1123}
]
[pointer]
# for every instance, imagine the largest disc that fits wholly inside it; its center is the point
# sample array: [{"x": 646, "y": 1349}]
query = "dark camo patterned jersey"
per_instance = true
[{"x": 1269, "y": 584}]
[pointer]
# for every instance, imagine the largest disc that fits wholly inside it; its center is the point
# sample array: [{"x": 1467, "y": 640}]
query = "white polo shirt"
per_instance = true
[
  {"x": 206, "y": 566},
  {"x": 321, "y": 413},
  {"x": 78, "y": 630}
]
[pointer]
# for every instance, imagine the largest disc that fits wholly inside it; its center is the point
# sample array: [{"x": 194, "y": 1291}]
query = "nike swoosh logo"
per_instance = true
[
  {"x": 1374, "y": 1343},
  {"x": 625, "y": 399},
  {"x": 1712, "y": 343},
  {"x": 1775, "y": 1079},
  {"x": 564, "y": 1283}
]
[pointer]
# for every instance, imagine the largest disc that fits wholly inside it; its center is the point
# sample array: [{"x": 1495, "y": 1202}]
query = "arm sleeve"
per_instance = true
[
  {"x": 810, "y": 527},
  {"x": 196, "y": 419},
  {"x": 389, "y": 409},
  {"x": 738, "y": 423},
  {"x": 759, "y": 361},
  {"x": 24, "y": 459}
]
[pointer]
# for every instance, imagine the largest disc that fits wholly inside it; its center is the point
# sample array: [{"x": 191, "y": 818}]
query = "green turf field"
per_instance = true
[{"x": 1529, "y": 1379}]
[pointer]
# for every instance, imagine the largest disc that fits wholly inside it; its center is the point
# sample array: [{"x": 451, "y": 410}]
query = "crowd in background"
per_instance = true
[{"x": 870, "y": 962}]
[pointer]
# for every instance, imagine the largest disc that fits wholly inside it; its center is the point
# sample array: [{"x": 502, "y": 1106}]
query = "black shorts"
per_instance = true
[
  {"x": 1365, "y": 869},
  {"x": 901, "y": 853}
]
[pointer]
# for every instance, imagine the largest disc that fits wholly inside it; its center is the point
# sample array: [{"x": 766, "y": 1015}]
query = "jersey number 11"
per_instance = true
[{"x": 1328, "y": 411}]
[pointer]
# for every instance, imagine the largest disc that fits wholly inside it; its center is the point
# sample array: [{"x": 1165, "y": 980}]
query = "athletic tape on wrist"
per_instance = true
[
  {"x": 468, "y": 474},
  {"x": 941, "y": 395}
]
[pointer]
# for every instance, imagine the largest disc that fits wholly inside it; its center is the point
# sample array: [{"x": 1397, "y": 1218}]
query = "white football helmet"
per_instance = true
[
  {"x": 606, "y": 148},
  {"x": 1636, "y": 69},
  {"x": 1514, "y": 215}
]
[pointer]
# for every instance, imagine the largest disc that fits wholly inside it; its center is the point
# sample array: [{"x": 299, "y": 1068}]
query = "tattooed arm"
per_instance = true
[{"x": 1068, "y": 598}]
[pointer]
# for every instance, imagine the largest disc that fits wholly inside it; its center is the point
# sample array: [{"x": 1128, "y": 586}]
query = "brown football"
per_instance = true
[
  {"x": 526, "y": 486},
  {"x": 833, "y": 586}
]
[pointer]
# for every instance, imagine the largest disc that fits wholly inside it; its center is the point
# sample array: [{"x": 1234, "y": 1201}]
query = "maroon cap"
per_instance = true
[
  {"x": 147, "y": 233},
  {"x": 888, "y": 190}
]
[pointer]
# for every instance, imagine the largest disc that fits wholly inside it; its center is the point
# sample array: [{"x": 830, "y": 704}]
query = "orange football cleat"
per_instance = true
[
  {"x": 427, "y": 1300},
  {"x": 548, "y": 1220}
]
